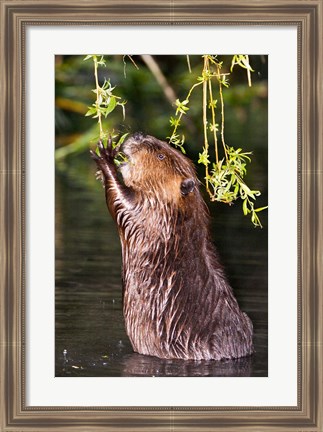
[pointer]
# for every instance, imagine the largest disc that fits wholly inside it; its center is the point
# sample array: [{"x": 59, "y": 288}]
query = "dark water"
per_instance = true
[{"x": 90, "y": 335}]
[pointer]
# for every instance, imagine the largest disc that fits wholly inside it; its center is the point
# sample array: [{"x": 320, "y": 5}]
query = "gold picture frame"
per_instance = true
[{"x": 16, "y": 16}]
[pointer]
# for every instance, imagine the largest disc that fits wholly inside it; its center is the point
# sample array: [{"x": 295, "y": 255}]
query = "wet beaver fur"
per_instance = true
[{"x": 177, "y": 302}]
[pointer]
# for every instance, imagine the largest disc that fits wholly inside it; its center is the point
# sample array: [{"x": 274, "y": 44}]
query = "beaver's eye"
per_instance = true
[{"x": 161, "y": 156}]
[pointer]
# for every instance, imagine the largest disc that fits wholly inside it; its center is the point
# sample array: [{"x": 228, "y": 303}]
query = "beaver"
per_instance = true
[{"x": 177, "y": 302}]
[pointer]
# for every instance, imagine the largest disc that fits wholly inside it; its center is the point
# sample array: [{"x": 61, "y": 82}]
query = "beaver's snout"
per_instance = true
[
  {"x": 131, "y": 145},
  {"x": 138, "y": 136}
]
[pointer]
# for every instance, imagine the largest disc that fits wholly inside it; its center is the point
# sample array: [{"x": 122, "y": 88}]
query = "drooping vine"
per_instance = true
[{"x": 224, "y": 176}]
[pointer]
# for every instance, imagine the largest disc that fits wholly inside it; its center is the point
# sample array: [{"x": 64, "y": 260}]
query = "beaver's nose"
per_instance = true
[{"x": 138, "y": 136}]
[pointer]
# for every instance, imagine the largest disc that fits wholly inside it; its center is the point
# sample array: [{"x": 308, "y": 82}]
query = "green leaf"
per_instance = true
[
  {"x": 214, "y": 127},
  {"x": 242, "y": 61},
  {"x": 255, "y": 193},
  {"x": 111, "y": 106},
  {"x": 259, "y": 209},
  {"x": 181, "y": 106},
  {"x": 91, "y": 111},
  {"x": 122, "y": 138},
  {"x": 213, "y": 104},
  {"x": 102, "y": 61},
  {"x": 204, "y": 158},
  {"x": 245, "y": 207},
  {"x": 174, "y": 121},
  {"x": 236, "y": 189}
]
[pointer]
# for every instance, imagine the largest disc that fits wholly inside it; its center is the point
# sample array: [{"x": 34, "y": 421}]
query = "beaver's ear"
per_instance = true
[{"x": 187, "y": 186}]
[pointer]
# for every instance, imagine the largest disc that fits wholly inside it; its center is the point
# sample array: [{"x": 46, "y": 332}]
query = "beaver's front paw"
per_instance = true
[
  {"x": 105, "y": 158},
  {"x": 106, "y": 155}
]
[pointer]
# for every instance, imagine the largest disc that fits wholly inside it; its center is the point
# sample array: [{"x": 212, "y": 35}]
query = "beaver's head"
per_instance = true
[{"x": 155, "y": 168}]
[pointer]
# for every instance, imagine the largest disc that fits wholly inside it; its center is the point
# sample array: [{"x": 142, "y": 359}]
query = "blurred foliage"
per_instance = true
[{"x": 147, "y": 108}]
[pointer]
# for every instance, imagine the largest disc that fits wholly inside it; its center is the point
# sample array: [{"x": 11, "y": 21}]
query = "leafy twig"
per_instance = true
[
  {"x": 105, "y": 103},
  {"x": 224, "y": 182}
]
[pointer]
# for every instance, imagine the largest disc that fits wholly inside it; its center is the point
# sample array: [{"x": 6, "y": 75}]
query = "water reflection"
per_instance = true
[
  {"x": 139, "y": 365},
  {"x": 126, "y": 364}
]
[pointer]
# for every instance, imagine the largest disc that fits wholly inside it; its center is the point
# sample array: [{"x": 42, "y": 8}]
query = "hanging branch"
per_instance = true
[{"x": 224, "y": 178}]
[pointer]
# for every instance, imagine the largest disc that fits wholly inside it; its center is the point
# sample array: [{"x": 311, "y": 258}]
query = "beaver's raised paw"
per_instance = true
[{"x": 105, "y": 156}]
